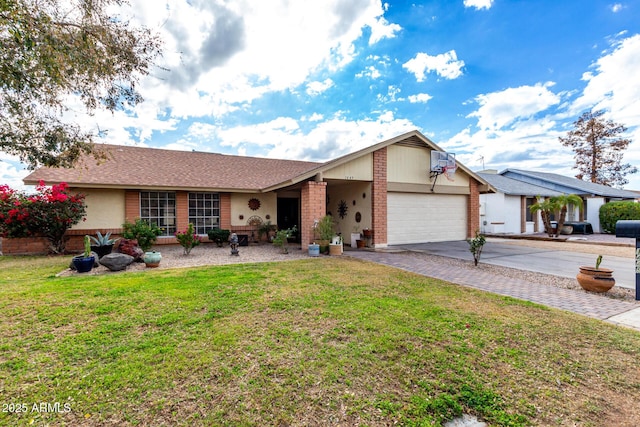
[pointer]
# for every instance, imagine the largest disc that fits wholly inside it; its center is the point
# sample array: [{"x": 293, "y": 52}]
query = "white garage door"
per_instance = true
[{"x": 419, "y": 218}]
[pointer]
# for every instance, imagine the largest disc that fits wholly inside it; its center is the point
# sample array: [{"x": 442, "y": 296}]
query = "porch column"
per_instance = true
[
  {"x": 379, "y": 198},
  {"x": 473, "y": 209},
  {"x": 313, "y": 202},
  {"x": 523, "y": 214}
]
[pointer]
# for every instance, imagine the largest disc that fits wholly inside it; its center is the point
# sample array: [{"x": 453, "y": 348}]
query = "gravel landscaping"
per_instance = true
[{"x": 210, "y": 254}]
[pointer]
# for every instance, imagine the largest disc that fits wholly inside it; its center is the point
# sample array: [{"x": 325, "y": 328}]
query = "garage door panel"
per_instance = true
[{"x": 417, "y": 218}]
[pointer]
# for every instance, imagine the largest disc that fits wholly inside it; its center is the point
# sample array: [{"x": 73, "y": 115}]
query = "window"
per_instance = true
[
  {"x": 158, "y": 207},
  {"x": 529, "y": 216},
  {"x": 204, "y": 211}
]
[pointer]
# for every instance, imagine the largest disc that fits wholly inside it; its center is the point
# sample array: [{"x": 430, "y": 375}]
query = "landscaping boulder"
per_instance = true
[
  {"x": 116, "y": 261},
  {"x": 130, "y": 247}
]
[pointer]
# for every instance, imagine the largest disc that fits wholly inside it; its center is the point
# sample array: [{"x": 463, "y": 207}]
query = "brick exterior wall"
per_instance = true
[
  {"x": 473, "y": 208},
  {"x": 379, "y": 198},
  {"x": 313, "y": 201},
  {"x": 182, "y": 210},
  {"x": 225, "y": 211},
  {"x": 131, "y": 205}
]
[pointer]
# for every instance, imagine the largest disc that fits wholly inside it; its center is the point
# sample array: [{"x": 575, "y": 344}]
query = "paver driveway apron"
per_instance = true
[{"x": 559, "y": 263}]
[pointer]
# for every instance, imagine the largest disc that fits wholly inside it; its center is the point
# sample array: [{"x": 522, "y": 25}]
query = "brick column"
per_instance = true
[
  {"x": 131, "y": 205},
  {"x": 379, "y": 198},
  {"x": 225, "y": 211},
  {"x": 313, "y": 202},
  {"x": 182, "y": 210},
  {"x": 473, "y": 209}
]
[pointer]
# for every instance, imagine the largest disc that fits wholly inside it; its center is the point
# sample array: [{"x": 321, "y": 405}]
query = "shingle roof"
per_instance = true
[
  {"x": 138, "y": 167},
  {"x": 572, "y": 185},
  {"x": 514, "y": 187}
]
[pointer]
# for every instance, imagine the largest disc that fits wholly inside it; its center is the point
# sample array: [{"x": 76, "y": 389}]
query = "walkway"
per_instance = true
[{"x": 614, "y": 311}]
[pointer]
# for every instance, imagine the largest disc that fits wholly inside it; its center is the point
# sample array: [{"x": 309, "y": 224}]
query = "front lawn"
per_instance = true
[{"x": 320, "y": 341}]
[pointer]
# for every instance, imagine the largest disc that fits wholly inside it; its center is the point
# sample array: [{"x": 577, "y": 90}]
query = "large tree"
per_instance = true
[
  {"x": 54, "y": 51},
  {"x": 599, "y": 147}
]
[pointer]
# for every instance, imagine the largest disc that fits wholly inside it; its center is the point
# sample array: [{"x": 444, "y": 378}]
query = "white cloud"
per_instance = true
[
  {"x": 478, "y": 4},
  {"x": 420, "y": 97},
  {"x": 382, "y": 29},
  {"x": 370, "y": 72},
  {"x": 615, "y": 8},
  {"x": 445, "y": 65},
  {"x": 500, "y": 109},
  {"x": 316, "y": 88},
  {"x": 609, "y": 86},
  {"x": 223, "y": 55},
  {"x": 284, "y": 139}
]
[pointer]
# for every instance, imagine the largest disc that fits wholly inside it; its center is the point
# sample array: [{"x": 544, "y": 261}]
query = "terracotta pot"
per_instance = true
[
  {"x": 595, "y": 280},
  {"x": 367, "y": 233},
  {"x": 360, "y": 243}
]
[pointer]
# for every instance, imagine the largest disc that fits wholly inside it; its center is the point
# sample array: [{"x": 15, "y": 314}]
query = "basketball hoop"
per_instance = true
[{"x": 449, "y": 171}]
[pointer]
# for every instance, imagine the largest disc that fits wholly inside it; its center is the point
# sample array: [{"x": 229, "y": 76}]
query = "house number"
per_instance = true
[{"x": 348, "y": 177}]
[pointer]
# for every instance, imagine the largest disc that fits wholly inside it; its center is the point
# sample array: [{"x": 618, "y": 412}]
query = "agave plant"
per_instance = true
[{"x": 101, "y": 240}]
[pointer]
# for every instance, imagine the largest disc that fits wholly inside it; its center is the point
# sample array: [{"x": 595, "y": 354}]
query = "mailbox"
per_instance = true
[
  {"x": 631, "y": 228},
  {"x": 628, "y": 228}
]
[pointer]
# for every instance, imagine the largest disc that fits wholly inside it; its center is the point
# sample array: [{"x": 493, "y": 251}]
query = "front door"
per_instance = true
[{"x": 288, "y": 215}]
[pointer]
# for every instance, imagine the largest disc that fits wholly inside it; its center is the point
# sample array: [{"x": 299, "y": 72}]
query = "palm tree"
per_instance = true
[{"x": 557, "y": 206}]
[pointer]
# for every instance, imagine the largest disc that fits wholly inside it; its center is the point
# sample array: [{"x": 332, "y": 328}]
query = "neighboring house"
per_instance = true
[
  {"x": 386, "y": 188},
  {"x": 507, "y": 210}
]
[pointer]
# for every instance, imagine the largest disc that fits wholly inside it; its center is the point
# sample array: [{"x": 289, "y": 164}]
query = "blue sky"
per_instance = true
[{"x": 493, "y": 81}]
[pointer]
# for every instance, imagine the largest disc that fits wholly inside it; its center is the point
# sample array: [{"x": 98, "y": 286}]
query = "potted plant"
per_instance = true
[
  {"x": 219, "y": 236},
  {"x": 324, "y": 232},
  {"x": 84, "y": 263},
  {"x": 103, "y": 245},
  {"x": 282, "y": 238},
  {"x": 596, "y": 279},
  {"x": 266, "y": 229}
]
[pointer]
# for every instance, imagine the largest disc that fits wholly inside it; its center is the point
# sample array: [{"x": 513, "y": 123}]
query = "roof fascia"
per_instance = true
[{"x": 485, "y": 186}]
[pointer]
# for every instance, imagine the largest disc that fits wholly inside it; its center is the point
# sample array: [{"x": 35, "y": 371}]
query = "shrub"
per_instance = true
[
  {"x": 188, "y": 239},
  {"x": 475, "y": 246},
  {"x": 282, "y": 238},
  {"x": 144, "y": 232},
  {"x": 219, "y": 235},
  {"x": 50, "y": 212},
  {"x": 610, "y": 213}
]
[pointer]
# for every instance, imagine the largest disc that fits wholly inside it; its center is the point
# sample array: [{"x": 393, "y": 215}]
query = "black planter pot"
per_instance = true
[
  {"x": 82, "y": 264},
  {"x": 102, "y": 250}
]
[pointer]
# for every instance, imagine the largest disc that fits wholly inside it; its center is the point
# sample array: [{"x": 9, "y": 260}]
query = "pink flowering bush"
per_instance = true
[
  {"x": 188, "y": 239},
  {"x": 50, "y": 212}
]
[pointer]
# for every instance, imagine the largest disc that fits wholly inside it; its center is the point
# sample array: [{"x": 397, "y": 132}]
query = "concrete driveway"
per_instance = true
[{"x": 559, "y": 263}]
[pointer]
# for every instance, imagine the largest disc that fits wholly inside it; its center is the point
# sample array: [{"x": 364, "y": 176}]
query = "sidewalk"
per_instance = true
[{"x": 614, "y": 311}]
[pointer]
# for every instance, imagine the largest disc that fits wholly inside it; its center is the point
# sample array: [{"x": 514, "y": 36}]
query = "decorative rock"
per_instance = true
[
  {"x": 116, "y": 261},
  {"x": 130, "y": 247}
]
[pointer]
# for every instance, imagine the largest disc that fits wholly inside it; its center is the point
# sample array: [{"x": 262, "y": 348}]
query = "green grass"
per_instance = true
[{"x": 313, "y": 342}]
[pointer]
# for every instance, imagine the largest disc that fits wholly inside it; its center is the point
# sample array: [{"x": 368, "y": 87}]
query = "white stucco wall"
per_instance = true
[
  {"x": 501, "y": 213},
  {"x": 357, "y": 195},
  {"x": 593, "y": 212},
  {"x": 240, "y": 206},
  {"x": 105, "y": 209}
]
